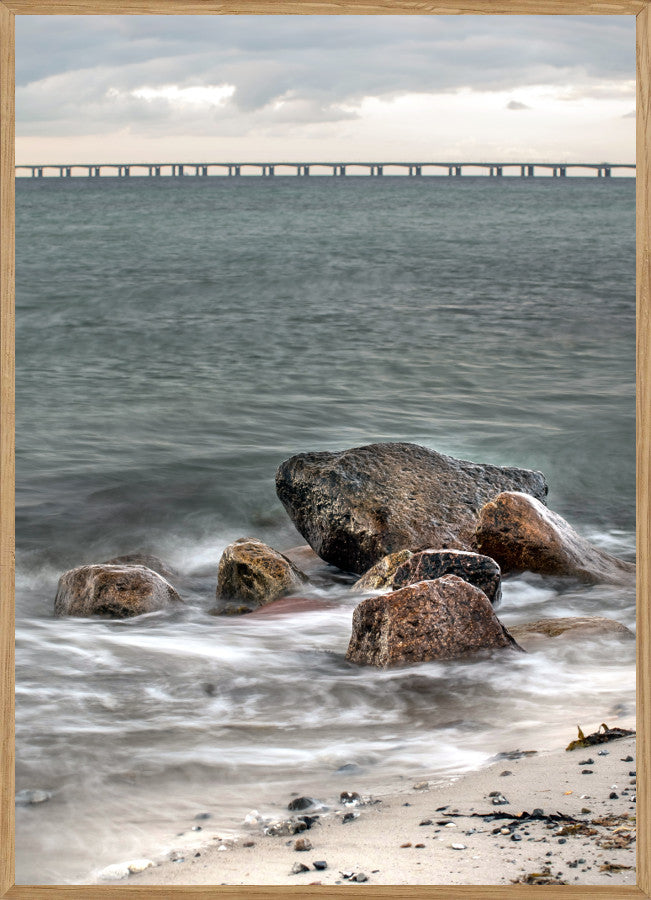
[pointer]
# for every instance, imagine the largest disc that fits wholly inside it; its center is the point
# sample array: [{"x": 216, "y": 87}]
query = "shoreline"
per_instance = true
[{"x": 385, "y": 841}]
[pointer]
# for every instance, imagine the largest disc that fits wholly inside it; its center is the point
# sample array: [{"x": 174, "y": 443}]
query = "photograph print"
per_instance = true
[{"x": 325, "y": 512}]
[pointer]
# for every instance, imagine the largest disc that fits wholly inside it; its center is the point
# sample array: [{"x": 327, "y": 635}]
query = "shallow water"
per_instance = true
[{"x": 177, "y": 341}]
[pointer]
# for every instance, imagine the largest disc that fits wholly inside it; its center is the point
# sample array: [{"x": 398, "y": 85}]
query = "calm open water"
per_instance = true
[{"x": 176, "y": 341}]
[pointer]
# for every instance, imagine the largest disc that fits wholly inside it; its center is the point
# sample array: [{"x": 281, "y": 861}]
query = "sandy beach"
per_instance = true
[{"x": 445, "y": 834}]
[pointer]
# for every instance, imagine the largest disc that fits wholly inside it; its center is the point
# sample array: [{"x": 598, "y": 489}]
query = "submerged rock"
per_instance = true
[
  {"x": 567, "y": 627},
  {"x": 521, "y": 534},
  {"x": 291, "y": 605},
  {"x": 252, "y": 573},
  {"x": 358, "y": 505},
  {"x": 112, "y": 590},
  {"x": 441, "y": 619},
  {"x": 381, "y": 574},
  {"x": 31, "y": 797},
  {"x": 482, "y": 571}
]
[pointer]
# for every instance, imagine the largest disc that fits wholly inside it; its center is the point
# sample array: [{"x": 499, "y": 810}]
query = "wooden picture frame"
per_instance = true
[{"x": 11, "y": 8}]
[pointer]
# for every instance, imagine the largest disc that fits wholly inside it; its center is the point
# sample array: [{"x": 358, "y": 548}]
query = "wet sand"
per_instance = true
[{"x": 386, "y": 840}]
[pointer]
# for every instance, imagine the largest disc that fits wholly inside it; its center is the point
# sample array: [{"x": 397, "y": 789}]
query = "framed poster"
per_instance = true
[{"x": 280, "y": 273}]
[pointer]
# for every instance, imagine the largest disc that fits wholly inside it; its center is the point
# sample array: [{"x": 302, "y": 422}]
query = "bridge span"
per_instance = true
[{"x": 303, "y": 169}]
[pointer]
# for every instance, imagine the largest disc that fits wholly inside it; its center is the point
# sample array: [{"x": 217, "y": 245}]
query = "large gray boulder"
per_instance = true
[
  {"x": 522, "y": 534},
  {"x": 442, "y": 619},
  {"x": 115, "y": 591},
  {"x": 356, "y": 506},
  {"x": 253, "y": 574}
]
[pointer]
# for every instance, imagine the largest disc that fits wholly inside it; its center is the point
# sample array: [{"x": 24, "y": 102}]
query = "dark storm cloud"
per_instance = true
[{"x": 75, "y": 74}]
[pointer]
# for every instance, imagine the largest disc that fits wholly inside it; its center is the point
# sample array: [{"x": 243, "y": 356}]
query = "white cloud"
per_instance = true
[
  {"x": 325, "y": 86},
  {"x": 194, "y": 95}
]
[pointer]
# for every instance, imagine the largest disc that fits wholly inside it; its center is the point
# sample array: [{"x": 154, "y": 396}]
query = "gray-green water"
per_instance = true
[{"x": 178, "y": 340}]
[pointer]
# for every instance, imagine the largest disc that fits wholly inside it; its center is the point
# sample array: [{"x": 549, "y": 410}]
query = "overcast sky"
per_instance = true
[{"x": 186, "y": 88}]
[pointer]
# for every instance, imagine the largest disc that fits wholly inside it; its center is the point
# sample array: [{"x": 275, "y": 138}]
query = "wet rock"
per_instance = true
[
  {"x": 32, "y": 797},
  {"x": 112, "y": 590},
  {"x": 299, "y": 803},
  {"x": 427, "y": 565},
  {"x": 567, "y": 628},
  {"x": 286, "y": 827},
  {"x": 303, "y": 844},
  {"x": 230, "y": 609},
  {"x": 381, "y": 574},
  {"x": 290, "y": 606},
  {"x": 144, "y": 559},
  {"x": 252, "y": 573},
  {"x": 521, "y": 534},
  {"x": 358, "y": 505},
  {"x": 320, "y": 864},
  {"x": 441, "y": 619}
]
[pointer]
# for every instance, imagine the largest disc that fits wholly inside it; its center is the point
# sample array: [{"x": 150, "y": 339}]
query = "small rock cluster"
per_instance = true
[{"x": 436, "y": 532}]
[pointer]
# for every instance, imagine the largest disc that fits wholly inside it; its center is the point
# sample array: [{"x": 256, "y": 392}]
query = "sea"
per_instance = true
[{"x": 177, "y": 339}]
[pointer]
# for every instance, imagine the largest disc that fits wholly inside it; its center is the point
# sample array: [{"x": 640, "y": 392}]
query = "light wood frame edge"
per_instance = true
[{"x": 8, "y": 9}]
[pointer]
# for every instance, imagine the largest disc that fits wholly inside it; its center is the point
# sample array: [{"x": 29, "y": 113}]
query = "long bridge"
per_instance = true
[{"x": 302, "y": 169}]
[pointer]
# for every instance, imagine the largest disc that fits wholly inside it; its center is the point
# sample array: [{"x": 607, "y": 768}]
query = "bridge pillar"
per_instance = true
[
  {"x": 529, "y": 171},
  {"x": 607, "y": 171},
  {"x": 499, "y": 170},
  {"x": 522, "y": 171},
  {"x": 562, "y": 172},
  {"x": 457, "y": 171}
]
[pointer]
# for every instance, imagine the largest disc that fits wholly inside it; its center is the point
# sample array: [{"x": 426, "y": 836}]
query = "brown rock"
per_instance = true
[
  {"x": 358, "y": 505},
  {"x": 253, "y": 574},
  {"x": 302, "y": 844},
  {"x": 112, "y": 590},
  {"x": 144, "y": 559},
  {"x": 569, "y": 627},
  {"x": 523, "y": 535},
  {"x": 381, "y": 574},
  {"x": 427, "y": 565},
  {"x": 441, "y": 619}
]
